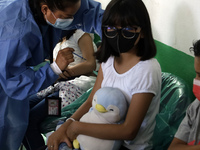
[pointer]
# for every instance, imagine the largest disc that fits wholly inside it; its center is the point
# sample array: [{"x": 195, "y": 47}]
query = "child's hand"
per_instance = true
[{"x": 58, "y": 137}]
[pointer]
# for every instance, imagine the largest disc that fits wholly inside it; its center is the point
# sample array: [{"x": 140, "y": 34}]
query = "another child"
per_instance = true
[
  {"x": 188, "y": 136},
  {"x": 84, "y": 64},
  {"x": 84, "y": 48},
  {"x": 127, "y": 62},
  {"x": 70, "y": 90}
]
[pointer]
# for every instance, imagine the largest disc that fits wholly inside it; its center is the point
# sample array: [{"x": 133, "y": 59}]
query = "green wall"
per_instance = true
[{"x": 176, "y": 62}]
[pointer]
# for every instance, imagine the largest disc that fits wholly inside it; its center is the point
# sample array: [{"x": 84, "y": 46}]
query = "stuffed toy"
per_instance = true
[{"x": 109, "y": 106}]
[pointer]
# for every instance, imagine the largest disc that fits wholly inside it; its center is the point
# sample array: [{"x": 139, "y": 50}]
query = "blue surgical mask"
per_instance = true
[{"x": 60, "y": 23}]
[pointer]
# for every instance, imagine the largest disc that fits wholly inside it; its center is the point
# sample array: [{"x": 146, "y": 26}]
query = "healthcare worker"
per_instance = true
[{"x": 29, "y": 30}]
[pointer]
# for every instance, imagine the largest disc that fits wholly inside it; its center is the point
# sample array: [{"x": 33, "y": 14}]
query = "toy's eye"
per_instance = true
[
  {"x": 111, "y": 109},
  {"x": 95, "y": 98}
]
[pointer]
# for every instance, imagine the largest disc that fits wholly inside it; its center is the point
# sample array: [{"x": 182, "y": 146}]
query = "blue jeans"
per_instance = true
[{"x": 38, "y": 111}]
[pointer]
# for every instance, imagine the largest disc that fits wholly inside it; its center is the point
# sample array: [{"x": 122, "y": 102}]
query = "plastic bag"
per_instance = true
[{"x": 175, "y": 98}]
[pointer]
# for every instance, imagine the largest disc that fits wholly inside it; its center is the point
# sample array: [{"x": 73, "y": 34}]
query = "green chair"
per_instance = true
[{"x": 175, "y": 98}]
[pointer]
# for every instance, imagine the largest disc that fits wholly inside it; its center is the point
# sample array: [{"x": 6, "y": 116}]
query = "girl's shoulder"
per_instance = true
[
  {"x": 149, "y": 64},
  {"x": 148, "y": 69},
  {"x": 79, "y": 31},
  {"x": 109, "y": 62},
  {"x": 77, "y": 35}
]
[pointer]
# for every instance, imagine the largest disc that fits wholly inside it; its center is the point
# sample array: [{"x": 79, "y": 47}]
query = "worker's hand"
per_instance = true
[
  {"x": 64, "y": 57},
  {"x": 67, "y": 73}
]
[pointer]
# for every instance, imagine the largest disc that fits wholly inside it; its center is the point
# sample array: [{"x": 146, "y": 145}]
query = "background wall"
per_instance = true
[
  {"x": 103, "y": 3},
  {"x": 175, "y": 22}
]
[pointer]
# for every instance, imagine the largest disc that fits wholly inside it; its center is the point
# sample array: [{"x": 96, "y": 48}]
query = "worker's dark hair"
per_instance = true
[
  {"x": 53, "y": 5},
  {"x": 68, "y": 34}
]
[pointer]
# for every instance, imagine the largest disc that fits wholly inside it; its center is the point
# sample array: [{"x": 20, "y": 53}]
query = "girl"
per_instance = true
[
  {"x": 126, "y": 57},
  {"x": 84, "y": 48}
]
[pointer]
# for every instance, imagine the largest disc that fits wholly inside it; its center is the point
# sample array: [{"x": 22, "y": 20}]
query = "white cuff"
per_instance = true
[
  {"x": 55, "y": 68},
  {"x": 70, "y": 119}
]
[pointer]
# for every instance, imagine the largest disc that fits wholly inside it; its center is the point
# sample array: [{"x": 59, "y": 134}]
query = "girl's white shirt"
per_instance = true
[
  {"x": 144, "y": 77},
  {"x": 72, "y": 42}
]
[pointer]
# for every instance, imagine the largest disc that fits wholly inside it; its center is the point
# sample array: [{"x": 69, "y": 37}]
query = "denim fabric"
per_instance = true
[{"x": 38, "y": 111}]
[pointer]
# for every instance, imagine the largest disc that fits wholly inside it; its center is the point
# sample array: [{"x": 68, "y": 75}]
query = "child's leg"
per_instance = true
[
  {"x": 34, "y": 100},
  {"x": 33, "y": 138}
]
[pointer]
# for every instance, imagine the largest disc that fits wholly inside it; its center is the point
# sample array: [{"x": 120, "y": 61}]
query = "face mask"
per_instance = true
[
  {"x": 60, "y": 23},
  {"x": 196, "y": 88},
  {"x": 121, "y": 44}
]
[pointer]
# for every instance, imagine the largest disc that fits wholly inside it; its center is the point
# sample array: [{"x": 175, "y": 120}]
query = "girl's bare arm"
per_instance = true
[{"x": 126, "y": 131}]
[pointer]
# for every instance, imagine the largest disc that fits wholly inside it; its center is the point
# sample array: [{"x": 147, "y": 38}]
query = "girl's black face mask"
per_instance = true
[{"x": 120, "y": 44}]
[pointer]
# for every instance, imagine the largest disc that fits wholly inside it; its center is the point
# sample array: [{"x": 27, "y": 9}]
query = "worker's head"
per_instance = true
[{"x": 58, "y": 13}]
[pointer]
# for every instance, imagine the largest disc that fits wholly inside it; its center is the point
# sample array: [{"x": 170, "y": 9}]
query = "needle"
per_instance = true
[
  {"x": 75, "y": 53},
  {"x": 79, "y": 56}
]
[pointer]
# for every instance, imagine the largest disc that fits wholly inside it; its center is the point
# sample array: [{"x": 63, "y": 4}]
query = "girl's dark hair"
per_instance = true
[
  {"x": 196, "y": 48},
  {"x": 53, "y": 5},
  {"x": 68, "y": 34},
  {"x": 127, "y": 13}
]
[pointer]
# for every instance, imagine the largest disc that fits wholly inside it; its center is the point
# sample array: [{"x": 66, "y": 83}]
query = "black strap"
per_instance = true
[
  {"x": 42, "y": 148},
  {"x": 123, "y": 148}
]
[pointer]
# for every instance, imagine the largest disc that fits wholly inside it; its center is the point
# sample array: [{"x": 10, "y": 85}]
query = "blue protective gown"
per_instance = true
[{"x": 23, "y": 44}]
